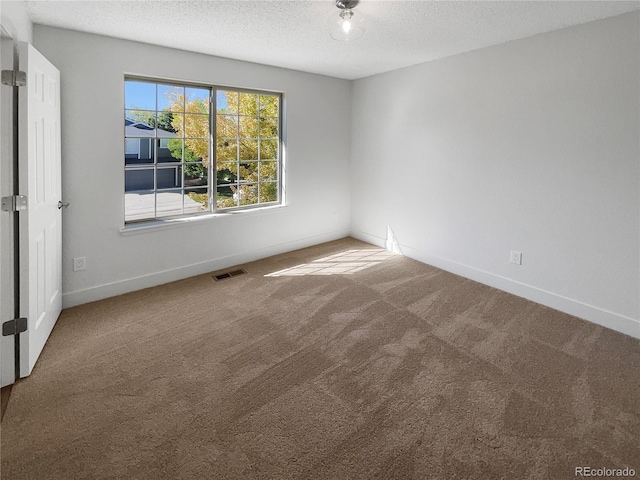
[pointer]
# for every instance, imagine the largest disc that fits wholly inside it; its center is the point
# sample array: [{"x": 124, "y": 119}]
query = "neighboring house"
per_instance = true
[{"x": 139, "y": 157}]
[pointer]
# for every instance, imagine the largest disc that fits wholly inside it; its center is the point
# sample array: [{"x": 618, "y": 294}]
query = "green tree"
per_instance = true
[
  {"x": 247, "y": 144},
  {"x": 164, "y": 120},
  {"x": 247, "y": 134}
]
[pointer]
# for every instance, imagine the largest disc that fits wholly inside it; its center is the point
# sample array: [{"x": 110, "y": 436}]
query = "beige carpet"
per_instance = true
[{"x": 356, "y": 366}]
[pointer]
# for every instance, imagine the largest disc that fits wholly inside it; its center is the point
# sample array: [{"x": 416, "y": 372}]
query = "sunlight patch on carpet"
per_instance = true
[{"x": 344, "y": 263}]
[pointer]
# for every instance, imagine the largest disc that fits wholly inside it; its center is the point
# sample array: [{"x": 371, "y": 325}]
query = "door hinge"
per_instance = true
[
  {"x": 14, "y": 327},
  {"x": 14, "y": 78},
  {"x": 14, "y": 203}
]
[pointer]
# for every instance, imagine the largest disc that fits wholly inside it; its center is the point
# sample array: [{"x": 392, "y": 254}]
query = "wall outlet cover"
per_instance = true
[{"x": 79, "y": 263}]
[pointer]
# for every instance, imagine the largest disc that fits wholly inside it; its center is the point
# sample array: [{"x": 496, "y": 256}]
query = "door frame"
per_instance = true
[{"x": 9, "y": 222}]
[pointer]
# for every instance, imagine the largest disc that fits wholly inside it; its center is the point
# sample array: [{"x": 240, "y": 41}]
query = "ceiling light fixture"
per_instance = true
[{"x": 346, "y": 25}]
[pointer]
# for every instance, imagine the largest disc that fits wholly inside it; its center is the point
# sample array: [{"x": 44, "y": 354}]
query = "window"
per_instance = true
[
  {"x": 132, "y": 147},
  {"x": 183, "y": 158}
]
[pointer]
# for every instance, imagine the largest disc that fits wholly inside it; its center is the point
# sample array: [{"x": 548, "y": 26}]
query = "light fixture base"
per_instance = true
[{"x": 347, "y": 4}]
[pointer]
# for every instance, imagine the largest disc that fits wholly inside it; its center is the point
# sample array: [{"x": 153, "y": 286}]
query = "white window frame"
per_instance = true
[{"x": 212, "y": 186}]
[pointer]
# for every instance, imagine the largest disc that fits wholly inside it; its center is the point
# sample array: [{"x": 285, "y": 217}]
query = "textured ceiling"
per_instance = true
[{"x": 294, "y": 34}]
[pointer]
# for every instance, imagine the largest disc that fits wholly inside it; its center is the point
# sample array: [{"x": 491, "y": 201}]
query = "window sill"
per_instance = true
[{"x": 155, "y": 225}]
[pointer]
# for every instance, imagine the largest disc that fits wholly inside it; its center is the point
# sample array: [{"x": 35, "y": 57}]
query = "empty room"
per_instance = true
[{"x": 320, "y": 239}]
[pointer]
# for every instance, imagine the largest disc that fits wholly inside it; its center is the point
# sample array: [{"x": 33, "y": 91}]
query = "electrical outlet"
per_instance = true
[
  {"x": 79, "y": 263},
  {"x": 516, "y": 257}
]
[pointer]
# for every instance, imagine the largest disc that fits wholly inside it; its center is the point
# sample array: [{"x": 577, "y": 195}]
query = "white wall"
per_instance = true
[
  {"x": 531, "y": 145},
  {"x": 92, "y": 77},
  {"x": 16, "y": 27}
]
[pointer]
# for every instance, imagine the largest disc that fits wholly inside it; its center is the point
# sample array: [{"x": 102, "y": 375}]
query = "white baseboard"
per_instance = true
[
  {"x": 79, "y": 297},
  {"x": 367, "y": 237},
  {"x": 591, "y": 313}
]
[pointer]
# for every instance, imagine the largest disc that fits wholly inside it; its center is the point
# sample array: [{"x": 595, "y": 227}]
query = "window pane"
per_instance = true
[
  {"x": 227, "y": 173},
  {"x": 196, "y": 175},
  {"x": 168, "y": 203},
  {"x": 169, "y": 177},
  {"x": 139, "y": 205},
  {"x": 268, "y": 127},
  {"x": 226, "y": 102},
  {"x": 269, "y": 105},
  {"x": 196, "y": 126},
  {"x": 166, "y": 124},
  {"x": 170, "y": 98},
  {"x": 132, "y": 146},
  {"x": 139, "y": 95},
  {"x": 225, "y": 196},
  {"x": 248, "y": 104},
  {"x": 268, "y": 171},
  {"x": 138, "y": 179},
  {"x": 171, "y": 154},
  {"x": 227, "y": 126},
  {"x": 197, "y": 100},
  {"x": 249, "y": 172},
  {"x": 248, "y": 150},
  {"x": 139, "y": 123},
  {"x": 196, "y": 150},
  {"x": 196, "y": 200},
  {"x": 248, "y": 194},
  {"x": 268, "y": 149},
  {"x": 248, "y": 127},
  {"x": 227, "y": 149},
  {"x": 170, "y": 125},
  {"x": 138, "y": 151},
  {"x": 268, "y": 192}
]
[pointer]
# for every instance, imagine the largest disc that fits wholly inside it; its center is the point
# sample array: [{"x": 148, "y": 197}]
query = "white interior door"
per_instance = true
[{"x": 41, "y": 223}]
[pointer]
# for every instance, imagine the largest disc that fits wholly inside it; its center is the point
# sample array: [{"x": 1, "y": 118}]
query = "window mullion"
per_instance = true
[
  {"x": 238, "y": 180},
  {"x": 182, "y": 164},
  {"x": 212, "y": 182},
  {"x": 155, "y": 159},
  {"x": 258, "y": 125}
]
